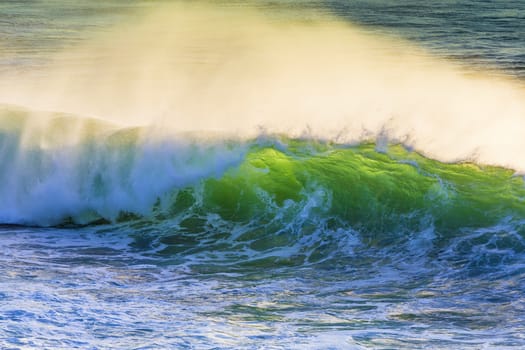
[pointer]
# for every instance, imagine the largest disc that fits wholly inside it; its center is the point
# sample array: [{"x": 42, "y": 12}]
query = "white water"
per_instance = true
[{"x": 57, "y": 166}]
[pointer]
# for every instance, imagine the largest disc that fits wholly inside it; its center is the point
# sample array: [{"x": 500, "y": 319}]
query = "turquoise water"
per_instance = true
[{"x": 126, "y": 235}]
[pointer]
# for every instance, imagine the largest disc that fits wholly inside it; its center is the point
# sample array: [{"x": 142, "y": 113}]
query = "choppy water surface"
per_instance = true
[
  {"x": 89, "y": 289},
  {"x": 139, "y": 237}
]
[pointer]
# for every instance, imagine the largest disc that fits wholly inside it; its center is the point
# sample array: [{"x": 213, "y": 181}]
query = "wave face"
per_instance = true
[
  {"x": 274, "y": 188},
  {"x": 300, "y": 202}
]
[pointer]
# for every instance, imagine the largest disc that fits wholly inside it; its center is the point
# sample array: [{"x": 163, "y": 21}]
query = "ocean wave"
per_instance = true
[{"x": 81, "y": 170}]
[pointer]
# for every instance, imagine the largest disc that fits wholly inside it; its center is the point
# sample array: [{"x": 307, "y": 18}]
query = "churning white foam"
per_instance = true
[{"x": 60, "y": 167}]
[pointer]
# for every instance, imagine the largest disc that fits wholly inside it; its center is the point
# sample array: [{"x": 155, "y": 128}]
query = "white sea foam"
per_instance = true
[{"x": 58, "y": 167}]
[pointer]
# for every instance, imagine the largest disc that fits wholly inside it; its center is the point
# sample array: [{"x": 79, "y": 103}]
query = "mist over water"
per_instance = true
[
  {"x": 314, "y": 174},
  {"x": 233, "y": 70}
]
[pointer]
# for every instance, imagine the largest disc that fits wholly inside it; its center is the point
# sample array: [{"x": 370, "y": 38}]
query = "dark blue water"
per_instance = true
[{"x": 486, "y": 33}]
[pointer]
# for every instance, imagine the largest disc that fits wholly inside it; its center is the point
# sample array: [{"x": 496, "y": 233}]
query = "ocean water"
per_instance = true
[{"x": 262, "y": 175}]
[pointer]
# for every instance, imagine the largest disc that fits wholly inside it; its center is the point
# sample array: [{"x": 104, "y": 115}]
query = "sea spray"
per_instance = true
[{"x": 233, "y": 70}]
